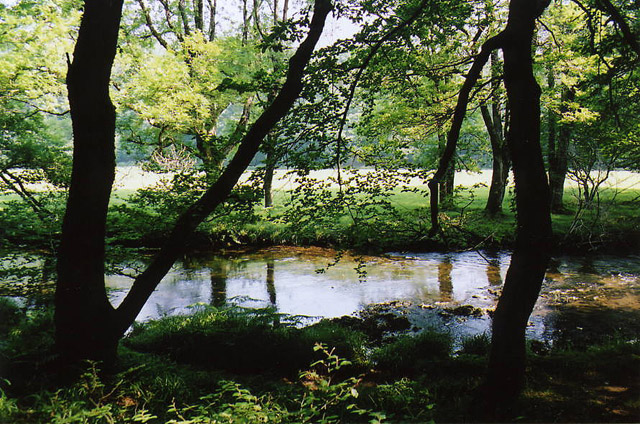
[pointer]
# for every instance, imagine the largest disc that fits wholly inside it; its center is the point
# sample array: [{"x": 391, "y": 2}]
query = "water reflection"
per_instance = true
[
  {"x": 444, "y": 279},
  {"x": 218, "y": 276},
  {"x": 271, "y": 286},
  {"x": 493, "y": 272},
  {"x": 251, "y": 280}
]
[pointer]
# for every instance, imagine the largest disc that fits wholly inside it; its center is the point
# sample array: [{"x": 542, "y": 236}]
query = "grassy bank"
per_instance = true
[
  {"x": 403, "y": 224},
  {"x": 230, "y": 365},
  {"x": 374, "y": 221}
]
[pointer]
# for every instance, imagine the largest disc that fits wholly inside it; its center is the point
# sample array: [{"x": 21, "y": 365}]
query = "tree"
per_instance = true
[
  {"x": 533, "y": 232},
  {"x": 183, "y": 80},
  {"x": 494, "y": 121},
  {"x": 33, "y": 108},
  {"x": 532, "y": 249},
  {"x": 87, "y": 325}
]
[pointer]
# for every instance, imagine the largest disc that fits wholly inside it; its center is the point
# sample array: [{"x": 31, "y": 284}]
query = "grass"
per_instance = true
[
  {"x": 612, "y": 226},
  {"x": 374, "y": 222},
  {"x": 186, "y": 369}
]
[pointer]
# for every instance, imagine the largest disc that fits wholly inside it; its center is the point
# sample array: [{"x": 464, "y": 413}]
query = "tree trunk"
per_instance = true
[
  {"x": 448, "y": 180},
  {"x": 83, "y": 315},
  {"x": 213, "y": 11},
  {"x": 267, "y": 187},
  {"x": 559, "y": 154},
  {"x": 533, "y": 235},
  {"x": 493, "y": 122}
]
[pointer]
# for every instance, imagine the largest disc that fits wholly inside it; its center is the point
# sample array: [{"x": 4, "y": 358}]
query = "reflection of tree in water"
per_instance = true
[
  {"x": 493, "y": 269},
  {"x": 444, "y": 279},
  {"x": 271, "y": 286},
  {"x": 218, "y": 272}
]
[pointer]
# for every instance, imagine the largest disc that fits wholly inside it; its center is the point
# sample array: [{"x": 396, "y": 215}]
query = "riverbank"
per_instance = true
[
  {"x": 232, "y": 365},
  {"x": 371, "y": 214}
]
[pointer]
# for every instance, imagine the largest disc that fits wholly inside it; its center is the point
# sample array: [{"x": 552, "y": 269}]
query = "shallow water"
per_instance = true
[{"x": 425, "y": 288}]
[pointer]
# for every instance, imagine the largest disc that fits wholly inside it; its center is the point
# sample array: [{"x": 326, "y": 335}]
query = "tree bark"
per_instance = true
[
  {"x": 500, "y": 163},
  {"x": 83, "y": 314},
  {"x": 267, "y": 186},
  {"x": 533, "y": 235},
  {"x": 447, "y": 183}
]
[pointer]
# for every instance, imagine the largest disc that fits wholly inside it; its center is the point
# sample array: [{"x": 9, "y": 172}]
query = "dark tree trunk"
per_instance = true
[
  {"x": 501, "y": 164},
  {"x": 213, "y": 11},
  {"x": 83, "y": 316},
  {"x": 533, "y": 235},
  {"x": 198, "y": 15},
  {"x": 87, "y": 326}
]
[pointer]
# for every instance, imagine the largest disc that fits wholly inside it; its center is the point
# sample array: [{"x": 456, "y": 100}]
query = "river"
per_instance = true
[{"x": 595, "y": 295}]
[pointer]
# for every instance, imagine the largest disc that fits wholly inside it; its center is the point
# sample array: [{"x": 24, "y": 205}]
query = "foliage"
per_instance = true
[
  {"x": 358, "y": 205},
  {"x": 412, "y": 353},
  {"x": 479, "y": 344},
  {"x": 152, "y": 211},
  {"x": 34, "y": 37},
  {"x": 242, "y": 341},
  {"x": 22, "y": 226}
]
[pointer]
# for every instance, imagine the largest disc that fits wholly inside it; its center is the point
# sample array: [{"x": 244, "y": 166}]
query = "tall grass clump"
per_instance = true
[
  {"x": 241, "y": 340},
  {"x": 412, "y": 353}
]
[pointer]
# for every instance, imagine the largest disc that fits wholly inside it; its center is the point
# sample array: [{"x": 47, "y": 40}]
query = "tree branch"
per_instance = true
[
  {"x": 152, "y": 28},
  {"x": 219, "y": 191},
  {"x": 458, "y": 117},
  {"x": 614, "y": 13},
  {"x": 363, "y": 66}
]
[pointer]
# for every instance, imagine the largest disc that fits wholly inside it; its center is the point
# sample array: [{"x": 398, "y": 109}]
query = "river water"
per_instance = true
[{"x": 457, "y": 291}]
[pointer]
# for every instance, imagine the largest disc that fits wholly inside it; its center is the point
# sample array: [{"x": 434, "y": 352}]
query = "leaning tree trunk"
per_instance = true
[
  {"x": 269, "y": 171},
  {"x": 83, "y": 314},
  {"x": 87, "y": 326},
  {"x": 533, "y": 235}
]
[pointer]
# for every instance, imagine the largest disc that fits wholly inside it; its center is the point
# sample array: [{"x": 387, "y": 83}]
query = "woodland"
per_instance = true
[{"x": 224, "y": 100}]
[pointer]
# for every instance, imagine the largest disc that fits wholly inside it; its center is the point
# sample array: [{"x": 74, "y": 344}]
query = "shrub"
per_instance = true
[
  {"x": 413, "y": 353},
  {"x": 240, "y": 340},
  {"x": 480, "y": 344}
]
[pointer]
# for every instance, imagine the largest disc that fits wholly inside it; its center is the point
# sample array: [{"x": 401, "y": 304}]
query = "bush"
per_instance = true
[
  {"x": 413, "y": 353},
  {"x": 240, "y": 340},
  {"x": 480, "y": 344}
]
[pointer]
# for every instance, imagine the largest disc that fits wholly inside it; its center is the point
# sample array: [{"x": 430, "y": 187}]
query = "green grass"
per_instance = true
[
  {"x": 186, "y": 368},
  {"x": 403, "y": 223}
]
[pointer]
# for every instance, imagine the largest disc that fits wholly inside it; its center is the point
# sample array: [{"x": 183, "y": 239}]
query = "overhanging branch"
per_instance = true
[{"x": 458, "y": 118}]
